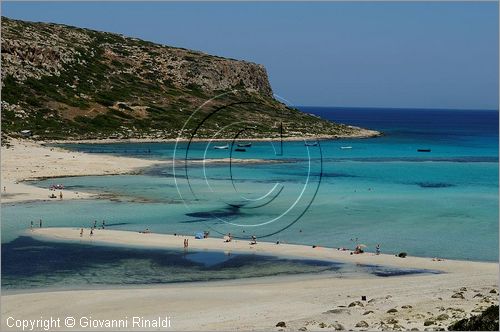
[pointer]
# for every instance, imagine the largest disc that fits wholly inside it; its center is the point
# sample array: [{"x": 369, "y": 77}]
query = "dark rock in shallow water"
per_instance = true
[
  {"x": 487, "y": 321},
  {"x": 281, "y": 324},
  {"x": 434, "y": 185}
]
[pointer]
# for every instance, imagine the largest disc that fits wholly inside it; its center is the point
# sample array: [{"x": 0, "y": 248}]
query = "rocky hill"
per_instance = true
[{"x": 63, "y": 82}]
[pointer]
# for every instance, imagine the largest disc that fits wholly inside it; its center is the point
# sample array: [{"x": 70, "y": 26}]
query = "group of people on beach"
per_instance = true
[
  {"x": 55, "y": 187},
  {"x": 32, "y": 224},
  {"x": 93, "y": 227}
]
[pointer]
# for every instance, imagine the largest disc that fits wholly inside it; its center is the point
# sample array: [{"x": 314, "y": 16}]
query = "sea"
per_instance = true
[{"x": 428, "y": 187}]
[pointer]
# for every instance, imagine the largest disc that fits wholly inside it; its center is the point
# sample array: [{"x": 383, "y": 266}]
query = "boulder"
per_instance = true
[
  {"x": 486, "y": 321},
  {"x": 361, "y": 324},
  {"x": 356, "y": 303},
  {"x": 337, "y": 326},
  {"x": 443, "y": 317},
  {"x": 281, "y": 324},
  {"x": 391, "y": 311}
]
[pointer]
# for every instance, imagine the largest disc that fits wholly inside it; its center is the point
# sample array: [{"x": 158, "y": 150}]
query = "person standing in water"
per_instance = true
[
  {"x": 377, "y": 249},
  {"x": 40, "y": 223},
  {"x": 81, "y": 232},
  {"x": 103, "y": 224},
  {"x": 95, "y": 223}
]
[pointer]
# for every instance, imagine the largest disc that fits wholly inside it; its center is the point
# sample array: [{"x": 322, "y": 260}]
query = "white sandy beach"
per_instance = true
[
  {"x": 26, "y": 160},
  {"x": 308, "y": 302}
]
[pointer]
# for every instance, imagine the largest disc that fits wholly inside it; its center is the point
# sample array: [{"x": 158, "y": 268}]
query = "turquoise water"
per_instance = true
[{"x": 440, "y": 203}]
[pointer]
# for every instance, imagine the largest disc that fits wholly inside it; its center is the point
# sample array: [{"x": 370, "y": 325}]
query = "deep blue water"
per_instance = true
[
  {"x": 382, "y": 190},
  {"x": 66, "y": 265}
]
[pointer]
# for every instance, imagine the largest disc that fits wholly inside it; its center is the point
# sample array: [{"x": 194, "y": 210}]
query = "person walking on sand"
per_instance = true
[
  {"x": 91, "y": 231},
  {"x": 81, "y": 232},
  {"x": 40, "y": 223},
  {"x": 60, "y": 195}
]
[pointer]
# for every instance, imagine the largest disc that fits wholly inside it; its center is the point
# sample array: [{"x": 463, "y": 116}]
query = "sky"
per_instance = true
[{"x": 357, "y": 54}]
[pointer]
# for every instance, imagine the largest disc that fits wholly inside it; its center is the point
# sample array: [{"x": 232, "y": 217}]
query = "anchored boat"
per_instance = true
[{"x": 311, "y": 144}]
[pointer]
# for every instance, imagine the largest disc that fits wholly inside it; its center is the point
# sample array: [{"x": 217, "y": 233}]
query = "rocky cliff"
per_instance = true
[{"x": 66, "y": 82}]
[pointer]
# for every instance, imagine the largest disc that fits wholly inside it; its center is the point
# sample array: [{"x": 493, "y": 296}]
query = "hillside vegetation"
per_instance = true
[{"x": 63, "y": 82}]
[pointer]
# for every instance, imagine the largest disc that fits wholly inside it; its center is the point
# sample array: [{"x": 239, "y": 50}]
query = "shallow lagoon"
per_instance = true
[{"x": 443, "y": 203}]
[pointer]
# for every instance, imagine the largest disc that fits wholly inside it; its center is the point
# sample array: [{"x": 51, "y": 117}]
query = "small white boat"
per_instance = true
[
  {"x": 346, "y": 147},
  {"x": 221, "y": 147}
]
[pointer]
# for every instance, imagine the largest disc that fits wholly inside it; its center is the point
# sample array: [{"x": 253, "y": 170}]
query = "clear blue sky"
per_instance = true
[{"x": 429, "y": 55}]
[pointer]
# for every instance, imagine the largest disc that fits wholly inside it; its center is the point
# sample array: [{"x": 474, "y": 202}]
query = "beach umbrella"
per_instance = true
[{"x": 362, "y": 245}]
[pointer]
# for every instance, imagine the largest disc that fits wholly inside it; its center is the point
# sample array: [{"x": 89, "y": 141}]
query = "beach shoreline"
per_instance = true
[
  {"x": 25, "y": 160},
  {"x": 362, "y": 134},
  {"x": 169, "y": 241},
  {"x": 318, "y": 302}
]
